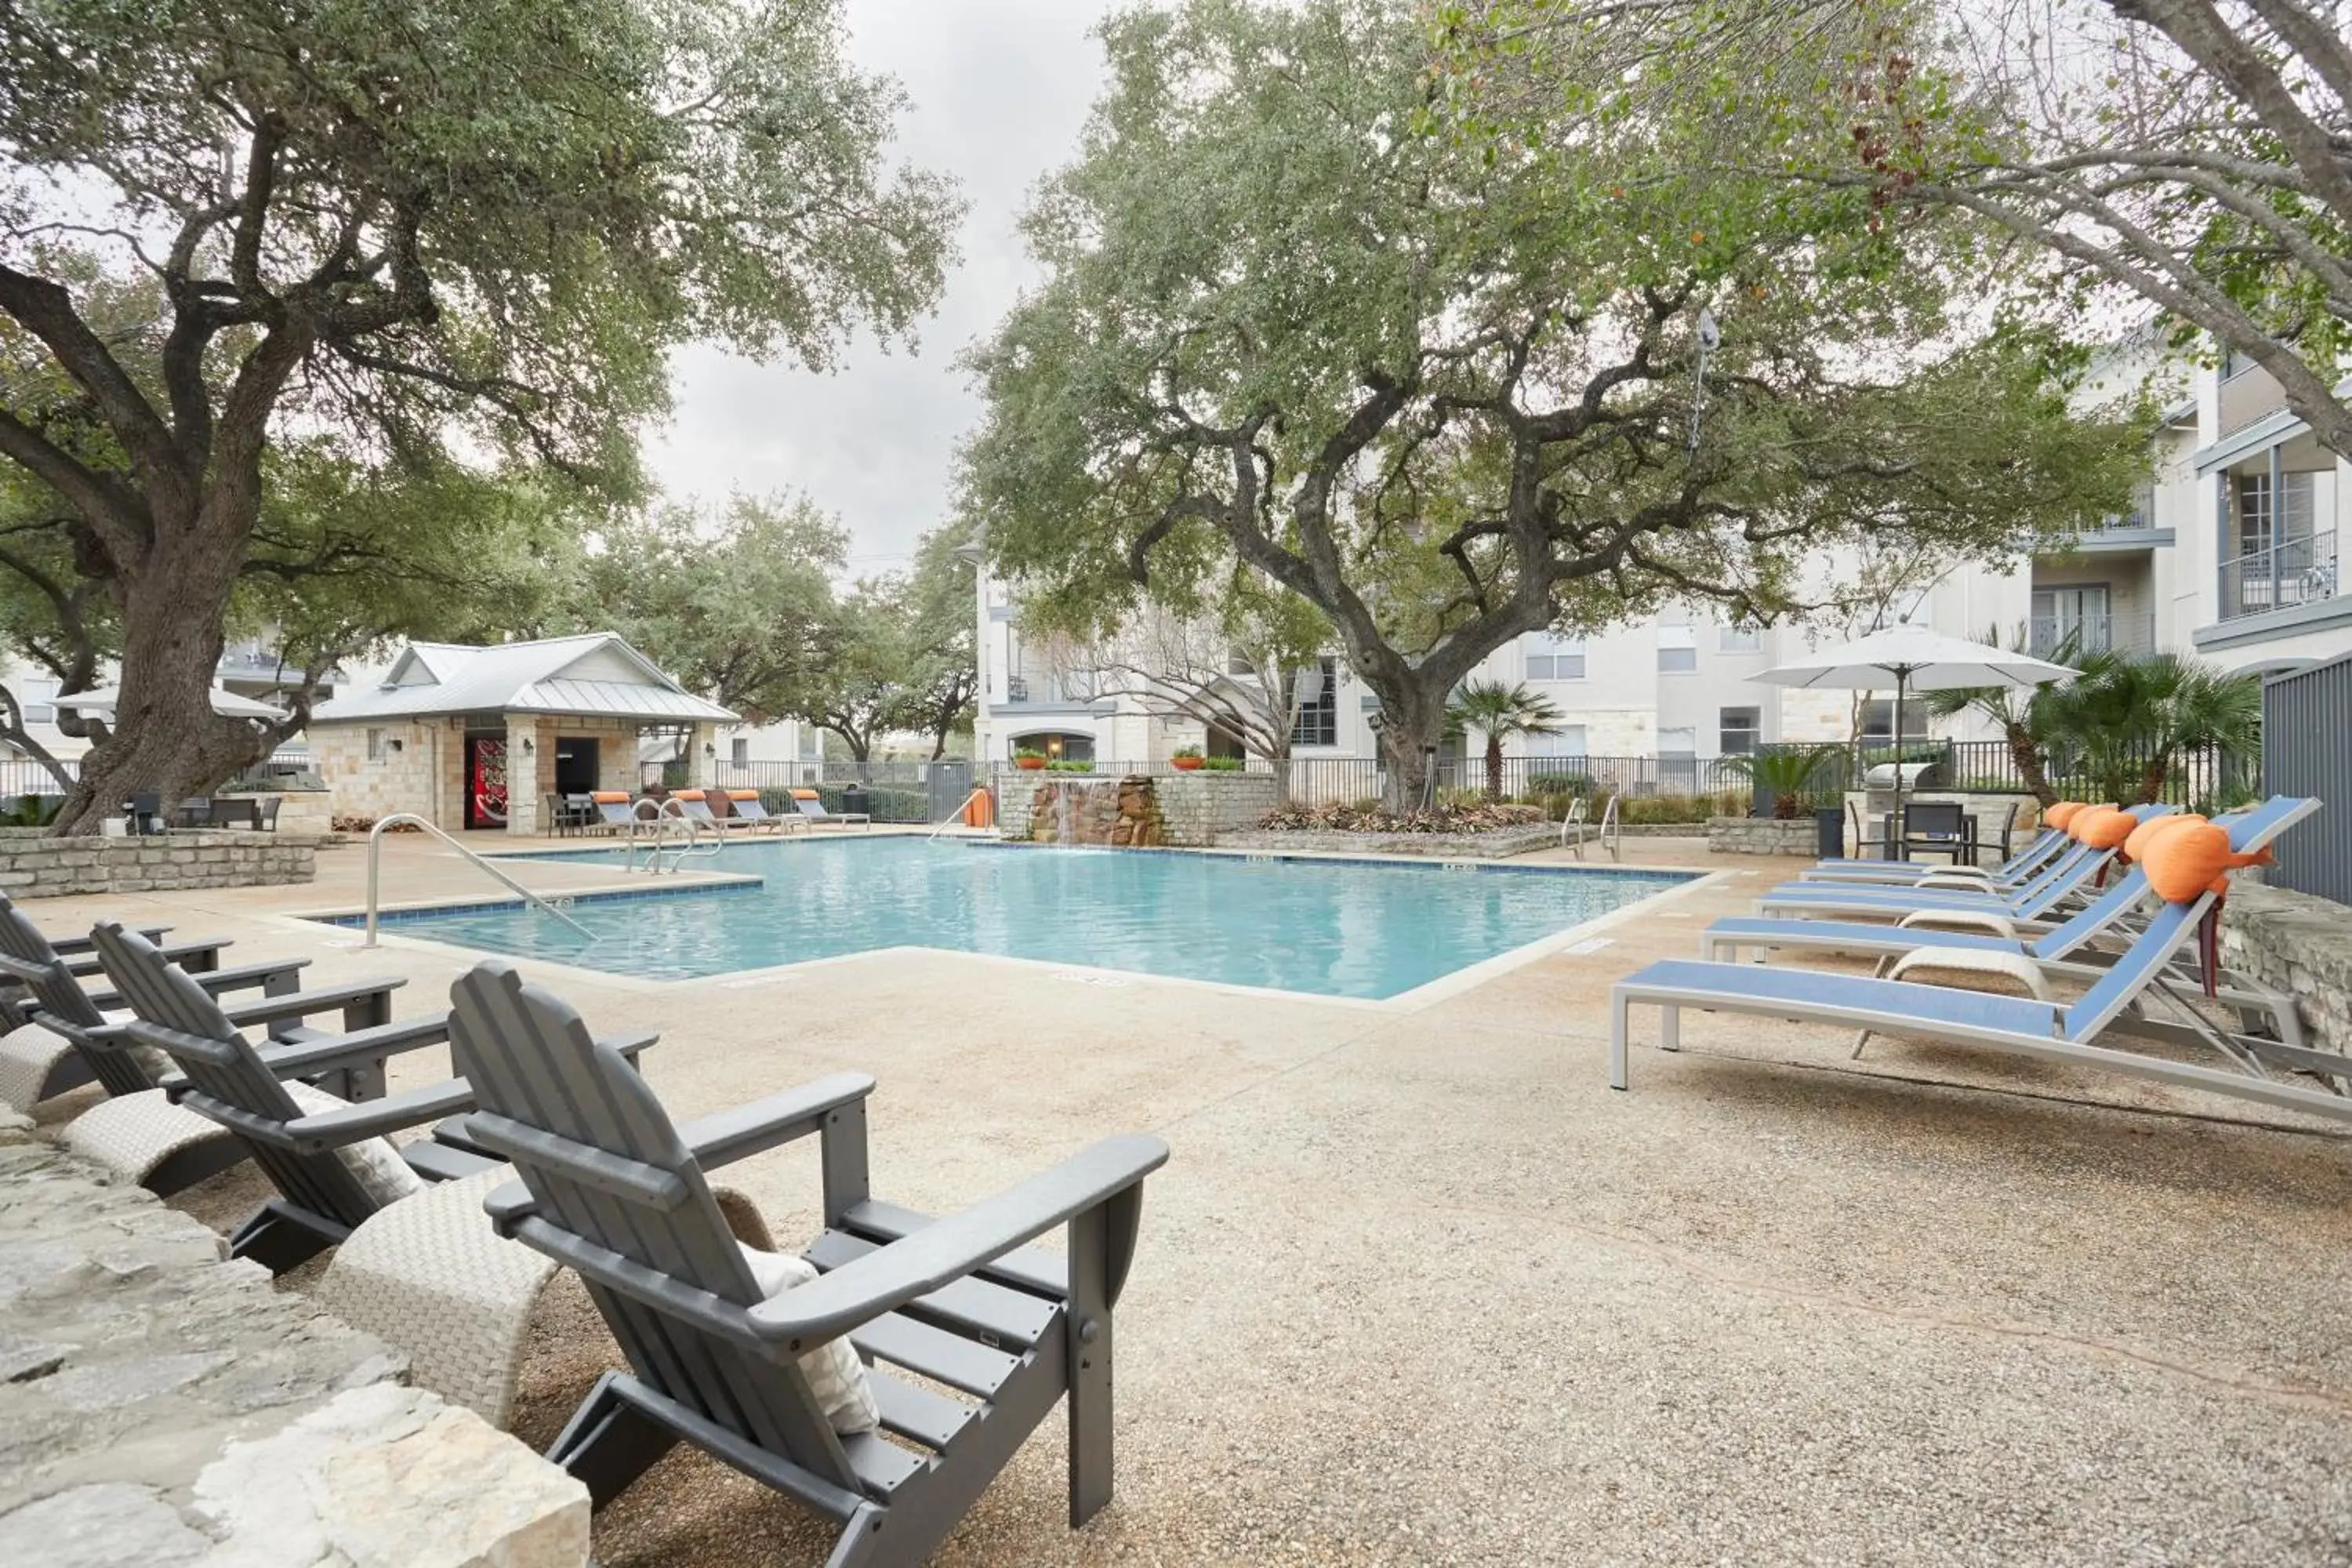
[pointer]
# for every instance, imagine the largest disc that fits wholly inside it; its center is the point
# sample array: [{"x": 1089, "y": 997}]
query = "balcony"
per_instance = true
[
  {"x": 2251, "y": 394},
  {"x": 2290, "y": 573},
  {"x": 2059, "y": 636}
]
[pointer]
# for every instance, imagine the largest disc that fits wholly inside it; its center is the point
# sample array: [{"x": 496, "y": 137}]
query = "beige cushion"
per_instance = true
[
  {"x": 374, "y": 1162},
  {"x": 835, "y": 1375}
]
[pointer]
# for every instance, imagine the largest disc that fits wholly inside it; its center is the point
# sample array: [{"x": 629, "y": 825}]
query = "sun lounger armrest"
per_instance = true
[
  {"x": 725, "y": 1136},
  {"x": 302, "y": 1004},
  {"x": 374, "y": 1118},
  {"x": 949, "y": 1249},
  {"x": 78, "y": 944},
  {"x": 310, "y": 1057}
]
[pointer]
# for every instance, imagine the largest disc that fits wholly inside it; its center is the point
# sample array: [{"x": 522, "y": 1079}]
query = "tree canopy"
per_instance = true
[
  {"x": 473, "y": 235},
  {"x": 1450, "y": 391}
]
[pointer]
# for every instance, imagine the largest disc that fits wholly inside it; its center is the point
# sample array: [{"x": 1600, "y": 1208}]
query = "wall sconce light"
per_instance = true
[
  {"x": 709, "y": 748},
  {"x": 394, "y": 743},
  {"x": 527, "y": 747}
]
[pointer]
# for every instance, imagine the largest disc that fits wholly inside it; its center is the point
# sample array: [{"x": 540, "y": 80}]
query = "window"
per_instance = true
[
  {"x": 1568, "y": 744},
  {"x": 1555, "y": 658},
  {"x": 1678, "y": 743},
  {"x": 1317, "y": 723},
  {"x": 375, "y": 745},
  {"x": 1741, "y": 639},
  {"x": 1678, "y": 650},
  {"x": 2254, "y": 510},
  {"x": 739, "y": 751},
  {"x": 40, "y": 702},
  {"x": 1738, "y": 729},
  {"x": 1878, "y": 721}
]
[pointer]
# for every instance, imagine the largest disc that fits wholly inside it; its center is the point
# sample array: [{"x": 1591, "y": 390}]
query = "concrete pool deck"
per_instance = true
[{"x": 1417, "y": 1287}]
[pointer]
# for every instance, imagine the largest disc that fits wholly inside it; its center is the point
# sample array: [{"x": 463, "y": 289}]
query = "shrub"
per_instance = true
[
  {"x": 1186, "y": 751},
  {"x": 1069, "y": 766},
  {"x": 1572, "y": 785},
  {"x": 1222, "y": 764},
  {"x": 884, "y": 803},
  {"x": 1478, "y": 817},
  {"x": 32, "y": 811}
]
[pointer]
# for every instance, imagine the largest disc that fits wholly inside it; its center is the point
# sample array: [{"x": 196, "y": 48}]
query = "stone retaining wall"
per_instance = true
[
  {"x": 1763, "y": 835},
  {"x": 1196, "y": 809},
  {"x": 2298, "y": 944},
  {"x": 1492, "y": 845},
  {"x": 161, "y": 1407},
  {"x": 35, "y": 866}
]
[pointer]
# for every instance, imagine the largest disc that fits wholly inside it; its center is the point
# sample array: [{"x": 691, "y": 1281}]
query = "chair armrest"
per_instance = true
[
  {"x": 948, "y": 1249},
  {"x": 64, "y": 944},
  {"x": 302, "y": 1004},
  {"x": 374, "y": 1118},
  {"x": 313, "y": 1057},
  {"x": 245, "y": 975},
  {"x": 725, "y": 1136}
]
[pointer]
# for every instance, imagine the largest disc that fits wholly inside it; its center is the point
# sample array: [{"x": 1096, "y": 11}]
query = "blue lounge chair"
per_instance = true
[
  {"x": 810, "y": 805},
  {"x": 2016, "y": 871},
  {"x": 2041, "y": 1029}
]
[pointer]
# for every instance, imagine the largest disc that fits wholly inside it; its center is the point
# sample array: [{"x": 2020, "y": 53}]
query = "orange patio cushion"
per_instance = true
[
  {"x": 2059, "y": 815},
  {"x": 742, "y": 794},
  {"x": 2147, "y": 833},
  {"x": 806, "y": 795},
  {"x": 2103, "y": 826},
  {"x": 609, "y": 796},
  {"x": 685, "y": 794},
  {"x": 2195, "y": 860}
]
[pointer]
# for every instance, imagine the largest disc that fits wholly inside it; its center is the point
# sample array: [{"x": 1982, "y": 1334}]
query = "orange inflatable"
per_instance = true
[
  {"x": 2101, "y": 827},
  {"x": 2059, "y": 815},
  {"x": 2147, "y": 833}
]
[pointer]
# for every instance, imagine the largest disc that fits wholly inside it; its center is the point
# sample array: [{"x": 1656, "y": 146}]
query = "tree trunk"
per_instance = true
[
  {"x": 2028, "y": 757},
  {"x": 1493, "y": 767},
  {"x": 2152, "y": 778},
  {"x": 166, "y": 740},
  {"x": 1412, "y": 722}
]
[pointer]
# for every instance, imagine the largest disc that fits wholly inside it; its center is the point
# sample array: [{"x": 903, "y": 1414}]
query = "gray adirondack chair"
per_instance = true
[
  {"x": 230, "y": 1082},
  {"x": 611, "y": 1187},
  {"x": 37, "y": 1064}
]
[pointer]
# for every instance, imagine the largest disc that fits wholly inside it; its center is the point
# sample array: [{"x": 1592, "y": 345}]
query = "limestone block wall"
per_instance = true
[
  {"x": 1762, "y": 836},
  {"x": 1199, "y": 808},
  {"x": 34, "y": 866},
  {"x": 2296, "y": 943},
  {"x": 419, "y": 766}
]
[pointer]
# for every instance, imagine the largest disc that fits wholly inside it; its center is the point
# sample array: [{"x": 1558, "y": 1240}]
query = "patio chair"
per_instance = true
[
  {"x": 750, "y": 815},
  {"x": 739, "y": 1351},
  {"x": 136, "y": 1133},
  {"x": 325, "y": 1154},
  {"x": 264, "y": 814},
  {"x": 1576, "y": 829},
  {"x": 2033, "y": 1027},
  {"x": 691, "y": 805},
  {"x": 196, "y": 811},
  {"x": 811, "y": 805},
  {"x": 1863, "y": 842},
  {"x": 1937, "y": 827}
]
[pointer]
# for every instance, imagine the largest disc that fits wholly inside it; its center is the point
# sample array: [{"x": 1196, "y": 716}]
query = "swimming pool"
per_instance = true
[{"x": 1360, "y": 928}]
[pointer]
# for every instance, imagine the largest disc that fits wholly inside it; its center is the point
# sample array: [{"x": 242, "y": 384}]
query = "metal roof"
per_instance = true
[{"x": 596, "y": 674}]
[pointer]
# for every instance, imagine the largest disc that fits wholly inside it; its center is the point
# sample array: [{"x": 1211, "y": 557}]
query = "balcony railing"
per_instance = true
[
  {"x": 2252, "y": 393},
  {"x": 1017, "y": 688},
  {"x": 2292, "y": 571},
  {"x": 2055, "y": 636}
]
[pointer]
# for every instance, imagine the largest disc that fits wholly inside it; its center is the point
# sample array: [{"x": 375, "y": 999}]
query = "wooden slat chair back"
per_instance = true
[
  {"x": 604, "y": 1163},
  {"x": 28, "y": 958},
  {"x": 228, "y": 1081}
]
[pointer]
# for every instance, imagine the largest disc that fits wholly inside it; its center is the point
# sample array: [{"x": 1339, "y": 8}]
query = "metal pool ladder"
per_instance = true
[
  {"x": 950, "y": 819},
  {"x": 665, "y": 831},
  {"x": 375, "y": 848}
]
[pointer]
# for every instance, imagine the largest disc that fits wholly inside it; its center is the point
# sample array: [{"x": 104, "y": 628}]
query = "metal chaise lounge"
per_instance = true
[
  {"x": 2037, "y": 903},
  {"x": 746, "y": 812},
  {"x": 617, "y": 811},
  {"x": 738, "y": 1351},
  {"x": 2014, "y": 872},
  {"x": 811, "y": 805},
  {"x": 2041, "y": 1029},
  {"x": 1915, "y": 947}
]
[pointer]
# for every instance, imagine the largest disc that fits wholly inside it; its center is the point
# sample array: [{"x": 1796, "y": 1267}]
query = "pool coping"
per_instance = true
[{"x": 1427, "y": 994}]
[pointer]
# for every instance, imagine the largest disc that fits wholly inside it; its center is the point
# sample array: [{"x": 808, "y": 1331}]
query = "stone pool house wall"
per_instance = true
[
  {"x": 404, "y": 745},
  {"x": 35, "y": 865}
]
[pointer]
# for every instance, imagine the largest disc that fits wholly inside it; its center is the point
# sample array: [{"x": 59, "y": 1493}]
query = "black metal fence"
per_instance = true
[
  {"x": 2307, "y": 750},
  {"x": 23, "y": 777}
]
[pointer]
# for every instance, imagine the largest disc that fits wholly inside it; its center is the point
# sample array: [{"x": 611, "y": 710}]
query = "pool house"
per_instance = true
[{"x": 486, "y": 739}]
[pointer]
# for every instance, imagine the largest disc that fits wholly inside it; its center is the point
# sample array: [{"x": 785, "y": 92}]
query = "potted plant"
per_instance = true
[
  {"x": 1187, "y": 759},
  {"x": 1029, "y": 761}
]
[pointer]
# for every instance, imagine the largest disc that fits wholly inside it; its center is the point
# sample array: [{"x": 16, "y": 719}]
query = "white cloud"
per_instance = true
[{"x": 1000, "y": 90}]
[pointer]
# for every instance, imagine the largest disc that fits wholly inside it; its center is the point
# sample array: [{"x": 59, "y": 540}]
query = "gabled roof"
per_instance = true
[{"x": 597, "y": 674}]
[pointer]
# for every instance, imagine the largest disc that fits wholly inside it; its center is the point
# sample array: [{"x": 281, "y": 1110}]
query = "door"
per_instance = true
[
  {"x": 485, "y": 780},
  {"x": 2079, "y": 614},
  {"x": 575, "y": 764}
]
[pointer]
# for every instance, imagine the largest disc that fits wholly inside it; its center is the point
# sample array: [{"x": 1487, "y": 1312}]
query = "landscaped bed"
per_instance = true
[{"x": 1485, "y": 830}]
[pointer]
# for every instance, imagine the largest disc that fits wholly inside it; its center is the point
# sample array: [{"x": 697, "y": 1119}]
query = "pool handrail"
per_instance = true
[
  {"x": 950, "y": 819},
  {"x": 374, "y": 878}
]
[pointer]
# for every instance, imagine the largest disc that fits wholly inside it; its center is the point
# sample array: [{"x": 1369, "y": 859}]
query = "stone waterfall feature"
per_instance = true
[{"x": 1122, "y": 813}]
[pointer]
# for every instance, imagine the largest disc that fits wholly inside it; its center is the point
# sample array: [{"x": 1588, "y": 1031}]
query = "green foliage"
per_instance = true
[
  {"x": 2130, "y": 722},
  {"x": 1644, "y": 810},
  {"x": 1568, "y": 784},
  {"x": 1185, "y": 751},
  {"x": 32, "y": 811},
  {"x": 1794, "y": 774},
  {"x": 1224, "y": 764},
  {"x": 1069, "y": 766},
  {"x": 1499, "y": 712},
  {"x": 884, "y": 803}
]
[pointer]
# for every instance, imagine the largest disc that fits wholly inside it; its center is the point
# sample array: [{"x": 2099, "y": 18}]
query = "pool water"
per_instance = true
[{"x": 1358, "y": 929}]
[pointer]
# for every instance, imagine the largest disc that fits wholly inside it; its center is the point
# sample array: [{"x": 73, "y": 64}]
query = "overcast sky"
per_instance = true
[{"x": 1000, "y": 91}]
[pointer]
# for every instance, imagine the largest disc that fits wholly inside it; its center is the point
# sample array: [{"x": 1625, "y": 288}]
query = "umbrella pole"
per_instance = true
[{"x": 1898, "y": 847}]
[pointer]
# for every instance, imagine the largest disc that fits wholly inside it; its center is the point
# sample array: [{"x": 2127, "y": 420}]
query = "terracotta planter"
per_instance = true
[
  {"x": 1186, "y": 765},
  {"x": 1030, "y": 764}
]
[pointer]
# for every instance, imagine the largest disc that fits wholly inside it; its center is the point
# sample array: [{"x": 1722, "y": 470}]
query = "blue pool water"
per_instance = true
[{"x": 1329, "y": 928}]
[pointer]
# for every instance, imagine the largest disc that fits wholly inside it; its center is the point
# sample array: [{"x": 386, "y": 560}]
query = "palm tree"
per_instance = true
[
  {"x": 1788, "y": 773},
  {"x": 1498, "y": 711},
  {"x": 2135, "y": 718},
  {"x": 2026, "y": 717}
]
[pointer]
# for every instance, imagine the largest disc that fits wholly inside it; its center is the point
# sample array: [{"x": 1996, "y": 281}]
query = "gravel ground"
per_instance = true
[{"x": 1417, "y": 1287}]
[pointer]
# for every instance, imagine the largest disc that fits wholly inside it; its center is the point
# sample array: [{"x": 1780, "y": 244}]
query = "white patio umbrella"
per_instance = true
[
  {"x": 101, "y": 699},
  {"x": 1912, "y": 658}
]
